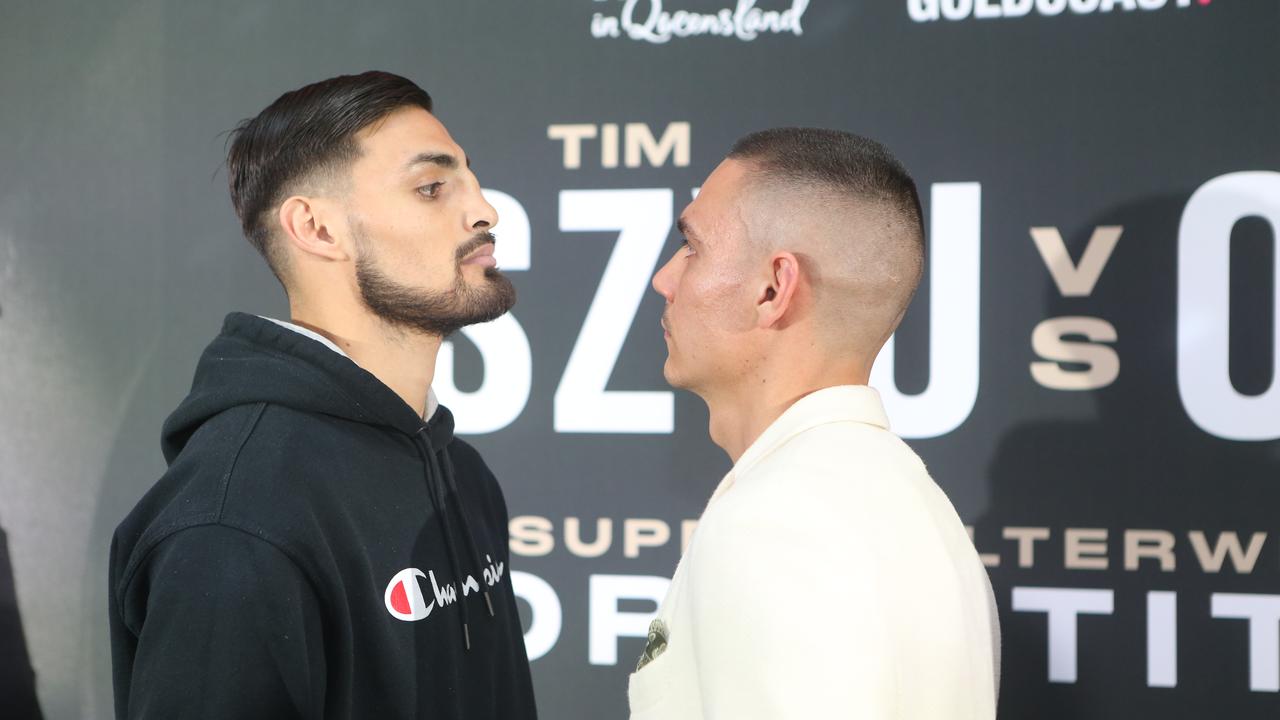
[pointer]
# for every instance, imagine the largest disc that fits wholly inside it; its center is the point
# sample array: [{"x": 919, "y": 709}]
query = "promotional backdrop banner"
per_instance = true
[{"x": 1090, "y": 368}]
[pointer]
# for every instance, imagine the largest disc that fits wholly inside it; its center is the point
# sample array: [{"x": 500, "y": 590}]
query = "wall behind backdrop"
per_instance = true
[{"x": 1090, "y": 369}]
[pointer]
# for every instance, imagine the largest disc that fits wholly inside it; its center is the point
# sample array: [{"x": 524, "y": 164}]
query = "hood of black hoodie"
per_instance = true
[{"x": 254, "y": 360}]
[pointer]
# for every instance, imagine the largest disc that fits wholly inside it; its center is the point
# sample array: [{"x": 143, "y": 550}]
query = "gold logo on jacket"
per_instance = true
[{"x": 656, "y": 644}]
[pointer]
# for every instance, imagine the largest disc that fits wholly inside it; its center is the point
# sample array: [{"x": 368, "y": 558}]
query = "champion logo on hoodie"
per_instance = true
[
  {"x": 405, "y": 601},
  {"x": 404, "y": 598}
]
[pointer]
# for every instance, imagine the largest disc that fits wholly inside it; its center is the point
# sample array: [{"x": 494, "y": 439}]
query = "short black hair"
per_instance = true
[
  {"x": 837, "y": 160},
  {"x": 304, "y": 131},
  {"x": 861, "y": 174}
]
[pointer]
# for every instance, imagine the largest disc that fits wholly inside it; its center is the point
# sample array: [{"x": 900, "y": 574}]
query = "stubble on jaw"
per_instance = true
[{"x": 433, "y": 312}]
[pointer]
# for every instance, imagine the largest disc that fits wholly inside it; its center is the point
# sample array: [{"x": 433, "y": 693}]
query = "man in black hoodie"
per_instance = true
[{"x": 321, "y": 546}]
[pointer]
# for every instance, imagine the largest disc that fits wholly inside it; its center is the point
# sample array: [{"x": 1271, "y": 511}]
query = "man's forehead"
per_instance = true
[
  {"x": 407, "y": 137},
  {"x": 729, "y": 176},
  {"x": 718, "y": 206}
]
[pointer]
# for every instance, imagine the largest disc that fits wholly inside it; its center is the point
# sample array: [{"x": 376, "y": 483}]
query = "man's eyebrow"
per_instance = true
[
  {"x": 686, "y": 229},
  {"x": 444, "y": 160}
]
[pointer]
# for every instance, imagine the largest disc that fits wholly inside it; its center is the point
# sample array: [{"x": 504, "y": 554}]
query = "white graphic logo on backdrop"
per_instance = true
[
  {"x": 932, "y": 10},
  {"x": 650, "y": 22}
]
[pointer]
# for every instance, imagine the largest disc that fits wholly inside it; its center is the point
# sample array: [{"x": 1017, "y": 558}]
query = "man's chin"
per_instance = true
[
  {"x": 486, "y": 317},
  {"x": 673, "y": 376},
  {"x": 499, "y": 294}
]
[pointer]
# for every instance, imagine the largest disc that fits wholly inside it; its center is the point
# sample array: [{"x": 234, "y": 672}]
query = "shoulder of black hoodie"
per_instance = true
[
  {"x": 256, "y": 468},
  {"x": 201, "y": 604},
  {"x": 232, "y": 629}
]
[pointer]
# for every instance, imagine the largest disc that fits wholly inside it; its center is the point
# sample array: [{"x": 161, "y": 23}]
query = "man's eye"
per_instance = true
[
  {"x": 430, "y": 190},
  {"x": 684, "y": 245}
]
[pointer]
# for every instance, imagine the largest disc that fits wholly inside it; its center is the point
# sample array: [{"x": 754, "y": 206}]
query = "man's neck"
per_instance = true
[
  {"x": 741, "y": 413},
  {"x": 404, "y": 361},
  {"x": 736, "y": 421}
]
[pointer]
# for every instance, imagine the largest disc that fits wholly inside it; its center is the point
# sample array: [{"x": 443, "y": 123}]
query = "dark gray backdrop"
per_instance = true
[{"x": 119, "y": 255}]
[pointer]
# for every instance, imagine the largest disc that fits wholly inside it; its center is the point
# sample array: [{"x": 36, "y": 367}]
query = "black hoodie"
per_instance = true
[{"x": 315, "y": 550}]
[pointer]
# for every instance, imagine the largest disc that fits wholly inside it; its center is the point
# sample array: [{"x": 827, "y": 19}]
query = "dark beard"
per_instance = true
[{"x": 435, "y": 312}]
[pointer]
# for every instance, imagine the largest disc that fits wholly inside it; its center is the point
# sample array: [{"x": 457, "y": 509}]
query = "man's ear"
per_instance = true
[
  {"x": 303, "y": 221},
  {"x": 779, "y": 291}
]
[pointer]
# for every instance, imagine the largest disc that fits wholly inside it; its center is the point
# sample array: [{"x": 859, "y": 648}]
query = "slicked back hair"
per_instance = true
[{"x": 304, "y": 132}]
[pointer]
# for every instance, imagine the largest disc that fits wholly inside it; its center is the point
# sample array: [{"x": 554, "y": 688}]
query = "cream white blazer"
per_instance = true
[{"x": 829, "y": 577}]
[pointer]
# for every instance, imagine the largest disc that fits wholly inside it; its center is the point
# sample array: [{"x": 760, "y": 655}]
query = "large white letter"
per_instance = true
[
  {"x": 922, "y": 10},
  {"x": 1063, "y": 605},
  {"x": 581, "y": 402},
  {"x": 1204, "y": 278},
  {"x": 1015, "y": 8},
  {"x": 1263, "y": 614},
  {"x": 547, "y": 616},
  {"x": 956, "y": 9},
  {"x": 503, "y": 346},
  {"x": 1162, "y": 639},
  {"x": 955, "y": 244},
  {"x": 605, "y": 624}
]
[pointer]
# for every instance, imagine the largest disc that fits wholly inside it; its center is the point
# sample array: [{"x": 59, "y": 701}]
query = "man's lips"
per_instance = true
[{"x": 483, "y": 256}]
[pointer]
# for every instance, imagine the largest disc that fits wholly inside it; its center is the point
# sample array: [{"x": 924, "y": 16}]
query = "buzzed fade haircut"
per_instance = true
[
  {"x": 861, "y": 202},
  {"x": 304, "y": 133}
]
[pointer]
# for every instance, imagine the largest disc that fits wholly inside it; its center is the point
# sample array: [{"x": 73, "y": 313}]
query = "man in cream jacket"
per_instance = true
[{"x": 829, "y": 576}]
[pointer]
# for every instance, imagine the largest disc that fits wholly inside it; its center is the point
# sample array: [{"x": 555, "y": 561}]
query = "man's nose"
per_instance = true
[
  {"x": 664, "y": 280},
  {"x": 480, "y": 214}
]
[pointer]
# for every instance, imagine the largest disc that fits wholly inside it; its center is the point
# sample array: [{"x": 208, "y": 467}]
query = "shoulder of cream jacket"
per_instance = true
[{"x": 829, "y": 577}]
